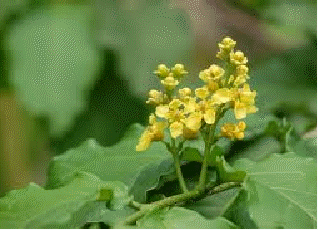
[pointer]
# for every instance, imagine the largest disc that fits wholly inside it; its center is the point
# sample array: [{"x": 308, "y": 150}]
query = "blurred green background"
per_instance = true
[{"x": 72, "y": 70}]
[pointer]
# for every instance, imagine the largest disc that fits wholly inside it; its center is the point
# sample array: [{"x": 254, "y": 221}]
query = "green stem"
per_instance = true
[
  {"x": 176, "y": 158},
  {"x": 173, "y": 200},
  {"x": 208, "y": 144}
]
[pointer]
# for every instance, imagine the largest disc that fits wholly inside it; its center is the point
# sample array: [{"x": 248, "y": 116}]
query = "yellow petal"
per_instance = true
[
  {"x": 202, "y": 93},
  {"x": 193, "y": 121},
  {"x": 176, "y": 129},
  {"x": 209, "y": 116},
  {"x": 144, "y": 141},
  {"x": 162, "y": 111},
  {"x": 175, "y": 104}
]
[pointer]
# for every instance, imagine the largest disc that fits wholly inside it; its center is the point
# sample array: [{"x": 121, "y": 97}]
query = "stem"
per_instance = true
[
  {"x": 208, "y": 143},
  {"x": 285, "y": 135},
  {"x": 175, "y": 153},
  {"x": 173, "y": 200}
]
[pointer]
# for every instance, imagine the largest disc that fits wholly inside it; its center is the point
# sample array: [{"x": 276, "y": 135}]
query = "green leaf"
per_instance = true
[
  {"x": 216, "y": 205},
  {"x": 181, "y": 218},
  {"x": 238, "y": 211},
  {"x": 191, "y": 154},
  {"x": 150, "y": 177},
  {"x": 283, "y": 191},
  {"x": 306, "y": 147},
  {"x": 68, "y": 207},
  {"x": 35, "y": 68},
  {"x": 120, "y": 162},
  {"x": 272, "y": 128},
  {"x": 227, "y": 173}
]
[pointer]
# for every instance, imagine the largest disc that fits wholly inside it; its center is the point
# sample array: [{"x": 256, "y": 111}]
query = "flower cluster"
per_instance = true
[
  {"x": 185, "y": 112},
  {"x": 233, "y": 131}
]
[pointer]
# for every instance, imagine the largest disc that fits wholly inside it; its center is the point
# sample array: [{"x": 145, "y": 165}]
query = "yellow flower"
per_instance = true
[
  {"x": 240, "y": 110},
  {"x": 238, "y": 58},
  {"x": 162, "y": 71},
  {"x": 178, "y": 70},
  {"x": 209, "y": 116},
  {"x": 212, "y": 86},
  {"x": 216, "y": 71},
  {"x": 248, "y": 97},
  {"x": 157, "y": 131},
  {"x": 185, "y": 92},
  {"x": 175, "y": 115},
  {"x": 205, "y": 75},
  {"x": 241, "y": 126},
  {"x": 169, "y": 82},
  {"x": 176, "y": 129},
  {"x": 190, "y": 105},
  {"x": 175, "y": 104},
  {"x": 227, "y": 44},
  {"x": 251, "y": 109},
  {"x": 241, "y": 79},
  {"x": 162, "y": 111},
  {"x": 239, "y": 131},
  {"x": 241, "y": 70},
  {"x": 202, "y": 93},
  {"x": 155, "y": 97},
  {"x": 144, "y": 141},
  {"x": 233, "y": 131},
  {"x": 193, "y": 122},
  {"x": 154, "y": 132},
  {"x": 152, "y": 119},
  {"x": 222, "y": 95}
]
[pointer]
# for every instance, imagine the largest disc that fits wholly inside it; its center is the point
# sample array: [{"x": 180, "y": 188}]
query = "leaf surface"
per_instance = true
[
  {"x": 283, "y": 191},
  {"x": 181, "y": 218},
  {"x": 120, "y": 162},
  {"x": 67, "y": 207}
]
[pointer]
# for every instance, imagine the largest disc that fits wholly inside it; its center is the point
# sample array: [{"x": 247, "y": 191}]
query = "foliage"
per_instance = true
[
  {"x": 119, "y": 187},
  {"x": 286, "y": 197},
  {"x": 283, "y": 191}
]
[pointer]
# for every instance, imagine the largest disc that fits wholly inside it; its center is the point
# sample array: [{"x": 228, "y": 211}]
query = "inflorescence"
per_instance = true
[{"x": 187, "y": 112}]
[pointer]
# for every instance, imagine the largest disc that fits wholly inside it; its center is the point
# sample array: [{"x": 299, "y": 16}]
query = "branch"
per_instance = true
[{"x": 174, "y": 200}]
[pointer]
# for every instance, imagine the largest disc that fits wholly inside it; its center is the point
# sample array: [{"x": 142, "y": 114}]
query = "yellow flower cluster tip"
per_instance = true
[
  {"x": 186, "y": 111},
  {"x": 233, "y": 131}
]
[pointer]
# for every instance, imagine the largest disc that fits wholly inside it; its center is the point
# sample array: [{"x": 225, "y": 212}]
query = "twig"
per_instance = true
[{"x": 173, "y": 200}]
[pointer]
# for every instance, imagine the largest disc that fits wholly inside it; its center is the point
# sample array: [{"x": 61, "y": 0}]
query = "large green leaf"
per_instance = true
[
  {"x": 238, "y": 211},
  {"x": 177, "y": 218},
  {"x": 68, "y": 207},
  {"x": 283, "y": 191},
  {"x": 152, "y": 176},
  {"x": 216, "y": 205},
  {"x": 306, "y": 147},
  {"x": 120, "y": 162}
]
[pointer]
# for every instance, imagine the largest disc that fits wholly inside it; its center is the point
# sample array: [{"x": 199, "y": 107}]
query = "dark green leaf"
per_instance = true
[{"x": 191, "y": 154}]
